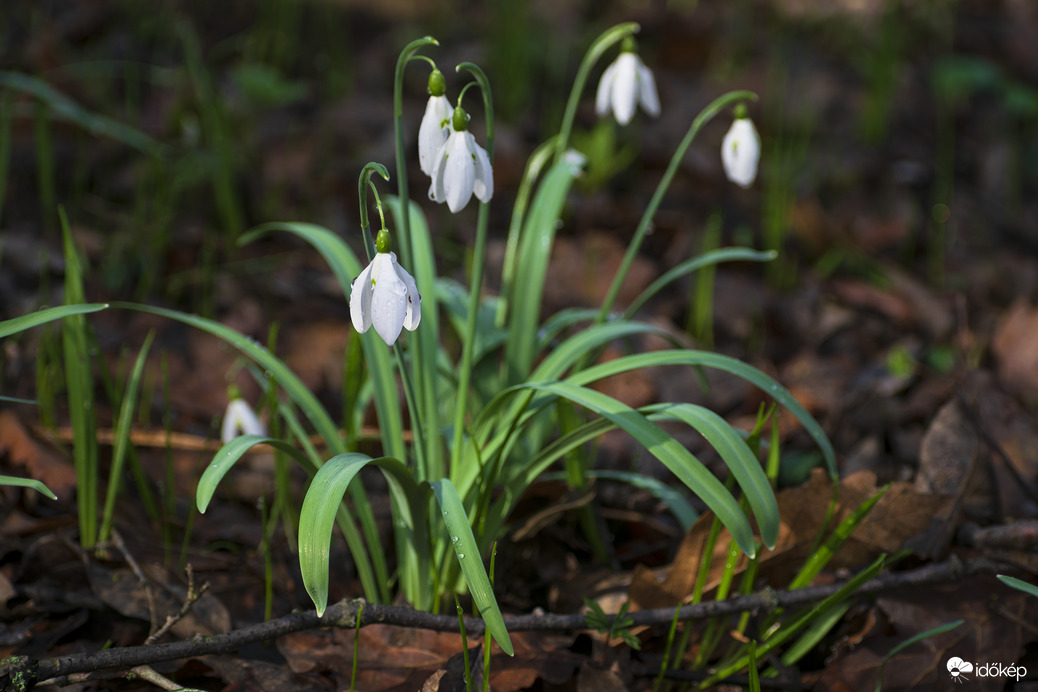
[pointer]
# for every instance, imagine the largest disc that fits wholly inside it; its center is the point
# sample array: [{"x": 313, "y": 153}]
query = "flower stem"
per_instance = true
[
  {"x": 478, "y": 257},
  {"x": 398, "y": 125},
  {"x": 423, "y": 350},
  {"x": 598, "y": 47},
  {"x": 703, "y": 118},
  {"x": 362, "y": 182}
]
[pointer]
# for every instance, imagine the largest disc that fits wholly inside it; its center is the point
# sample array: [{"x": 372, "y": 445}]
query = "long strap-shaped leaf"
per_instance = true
[
  {"x": 23, "y": 322},
  {"x": 669, "y": 451},
  {"x": 469, "y": 557},
  {"x": 719, "y": 362},
  {"x": 524, "y": 305},
  {"x": 228, "y": 455},
  {"x": 552, "y": 367},
  {"x": 345, "y": 266},
  {"x": 310, "y": 406},
  {"x": 426, "y": 337},
  {"x": 36, "y": 485},
  {"x": 323, "y": 501}
]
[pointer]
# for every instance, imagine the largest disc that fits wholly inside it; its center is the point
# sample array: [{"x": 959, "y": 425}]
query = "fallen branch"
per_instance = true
[{"x": 22, "y": 673}]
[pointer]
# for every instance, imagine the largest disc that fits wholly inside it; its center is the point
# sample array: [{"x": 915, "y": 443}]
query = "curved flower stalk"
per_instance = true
[
  {"x": 626, "y": 84},
  {"x": 462, "y": 167},
  {"x": 239, "y": 419},
  {"x": 385, "y": 295},
  {"x": 740, "y": 150},
  {"x": 435, "y": 127}
]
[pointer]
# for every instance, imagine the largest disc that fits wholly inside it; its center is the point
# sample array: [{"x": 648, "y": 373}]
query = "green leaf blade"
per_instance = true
[{"x": 467, "y": 551}]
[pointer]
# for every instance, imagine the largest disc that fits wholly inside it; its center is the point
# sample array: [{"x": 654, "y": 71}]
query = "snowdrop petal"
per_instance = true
[
  {"x": 360, "y": 300},
  {"x": 388, "y": 299},
  {"x": 647, "y": 94},
  {"x": 605, "y": 90},
  {"x": 458, "y": 173},
  {"x": 483, "y": 185},
  {"x": 413, "y": 311},
  {"x": 625, "y": 87},
  {"x": 433, "y": 131},
  {"x": 436, "y": 191},
  {"x": 740, "y": 152},
  {"x": 240, "y": 419},
  {"x": 385, "y": 296}
]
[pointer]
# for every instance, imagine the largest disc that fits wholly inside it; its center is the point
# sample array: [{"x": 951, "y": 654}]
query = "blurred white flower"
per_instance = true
[
  {"x": 433, "y": 131},
  {"x": 625, "y": 84},
  {"x": 239, "y": 419},
  {"x": 740, "y": 152},
  {"x": 386, "y": 296},
  {"x": 462, "y": 168}
]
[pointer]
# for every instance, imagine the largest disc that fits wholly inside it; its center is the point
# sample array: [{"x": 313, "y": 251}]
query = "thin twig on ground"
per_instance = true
[{"x": 344, "y": 615}]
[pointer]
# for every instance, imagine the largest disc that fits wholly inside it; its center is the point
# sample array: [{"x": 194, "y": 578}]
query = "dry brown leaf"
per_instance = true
[
  {"x": 634, "y": 387},
  {"x": 582, "y": 270},
  {"x": 41, "y": 461},
  {"x": 392, "y": 658},
  {"x": 899, "y": 515},
  {"x": 594, "y": 679},
  {"x": 314, "y": 351},
  {"x": 122, "y": 591},
  {"x": 1015, "y": 347},
  {"x": 995, "y": 630}
]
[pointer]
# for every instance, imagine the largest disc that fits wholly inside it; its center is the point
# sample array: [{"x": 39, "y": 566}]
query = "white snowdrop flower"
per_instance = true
[
  {"x": 386, "y": 296},
  {"x": 625, "y": 84},
  {"x": 740, "y": 151},
  {"x": 239, "y": 419},
  {"x": 462, "y": 168},
  {"x": 434, "y": 128},
  {"x": 575, "y": 159}
]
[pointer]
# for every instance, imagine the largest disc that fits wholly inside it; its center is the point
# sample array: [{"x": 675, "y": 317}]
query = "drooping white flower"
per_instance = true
[
  {"x": 461, "y": 168},
  {"x": 435, "y": 125},
  {"x": 625, "y": 84},
  {"x": 386, "y": 296},
  {"x": 740, "y": 152},
  {"x": 239, "y": 419}
]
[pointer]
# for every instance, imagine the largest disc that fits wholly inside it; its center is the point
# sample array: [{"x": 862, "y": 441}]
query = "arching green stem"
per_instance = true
[
  {"x": 362, "y": 182},
  {"x": 600, "y": 46},
  {"x": 703, "y": 118},
  {"x": 406, "y": 55},
  {"x": 478, "y": 257}
]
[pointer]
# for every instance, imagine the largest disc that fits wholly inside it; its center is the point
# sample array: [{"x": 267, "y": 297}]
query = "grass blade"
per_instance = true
[
  {"x": 322, "y": 504},
  {"x": 726, "y": 364},
  {"x": 63, "y": 107},
  {"x": 80, "y": 387},
  {"x": 524, "y": 304},
  {"x": 122, "y": 437},
  {"x": 669, "y": 451},
  {"x": 36, "y": 485},
  {"x": 728, "y": 254},
  {"x": 1019, "y": 584},
  {"x": 23, "y": 322},
  {"x": 469, "y": 557},
  {"x": 228, "y": 455}
]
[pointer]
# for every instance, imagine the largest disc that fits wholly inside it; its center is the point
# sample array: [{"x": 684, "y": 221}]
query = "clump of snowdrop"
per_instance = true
[
  {"x": 239, "y": 419},
  {"x": 625, "y": 84},
  {"x": 740, "y": 150},
  {"x": 462, "y": 167},
  {"x": 435, "y": 127},
  {"x": 384, "y": 295}
]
